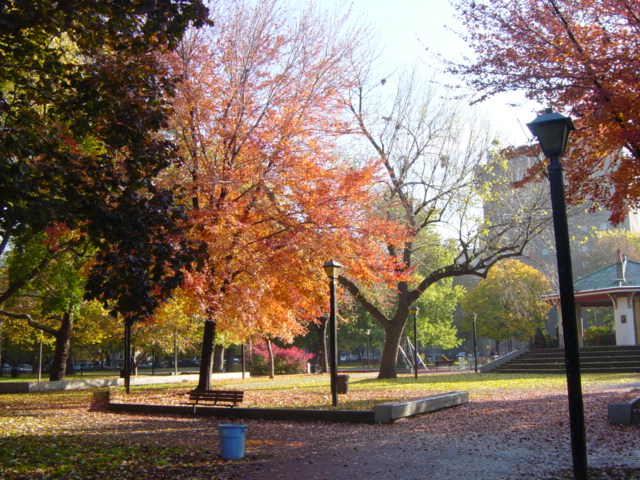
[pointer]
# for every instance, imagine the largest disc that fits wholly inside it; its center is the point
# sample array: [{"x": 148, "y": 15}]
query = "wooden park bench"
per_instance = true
[
  {"x": 444, "y": 361},
  {"x": 228, "y": 398}
]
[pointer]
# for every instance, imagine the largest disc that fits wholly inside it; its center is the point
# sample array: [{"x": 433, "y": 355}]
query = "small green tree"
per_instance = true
[
  {"x": 49, "y": 300},
  {"x": 435, "y": 319},
  {"x": 508, "y": 302}
]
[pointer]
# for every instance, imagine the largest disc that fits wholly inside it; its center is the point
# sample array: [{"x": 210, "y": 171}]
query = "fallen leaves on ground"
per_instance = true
[{"x": 71, "y": 435}]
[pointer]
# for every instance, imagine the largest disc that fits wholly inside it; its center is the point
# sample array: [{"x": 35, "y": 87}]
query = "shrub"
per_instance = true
[
  {"x": 286, "y": 360},
  {"x": 542, "y": 339},
  {"x": 594, "y": 336}
]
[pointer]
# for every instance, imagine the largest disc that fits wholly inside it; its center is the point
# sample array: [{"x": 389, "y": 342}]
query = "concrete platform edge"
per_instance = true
[
  {"x": 383, "y": 413},
  {"x": 388, "y": 412},
  {"x": 624, "y": 413}
]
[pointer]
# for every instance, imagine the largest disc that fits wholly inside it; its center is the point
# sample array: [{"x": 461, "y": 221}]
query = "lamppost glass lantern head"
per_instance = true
[
  {"x": 552, "y": 131},
  {"x": 332, "y": 269},
  {"x": 414, "y": 309}
]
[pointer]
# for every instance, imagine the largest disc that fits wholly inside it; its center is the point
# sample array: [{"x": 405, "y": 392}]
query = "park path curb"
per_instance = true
[{"x": 31, "y": 387}]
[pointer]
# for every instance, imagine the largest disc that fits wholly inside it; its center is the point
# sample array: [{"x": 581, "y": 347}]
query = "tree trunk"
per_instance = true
[
  {"x": 61, "y": 352},
  {"x": 218, "y": 358},
  {"x": 389, "y": 360},
  {"x": 206, "y": 365},
  {"x": 2, "y": 349},
  {"x": 321, "y": 330},
  {"x": 272, "y": 370},
  {"x": 228, "y": 357}
]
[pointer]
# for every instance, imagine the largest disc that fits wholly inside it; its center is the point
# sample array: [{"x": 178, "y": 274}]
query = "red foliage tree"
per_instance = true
[{"x": 582, "y": 58}]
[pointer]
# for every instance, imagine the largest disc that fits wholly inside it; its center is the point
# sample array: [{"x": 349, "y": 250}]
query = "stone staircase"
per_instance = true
[{"x": 613, "y": 359}]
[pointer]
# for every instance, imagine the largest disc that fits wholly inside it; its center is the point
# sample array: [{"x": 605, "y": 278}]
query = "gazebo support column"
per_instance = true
[
  {"x": 625, "y": 322},
  {"x": 579, "y": 324}
]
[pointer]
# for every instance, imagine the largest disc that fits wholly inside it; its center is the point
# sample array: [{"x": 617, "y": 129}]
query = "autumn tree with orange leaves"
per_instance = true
[
  {"x": 580, "y": 57},
  {"x": 258, "y": 117}
]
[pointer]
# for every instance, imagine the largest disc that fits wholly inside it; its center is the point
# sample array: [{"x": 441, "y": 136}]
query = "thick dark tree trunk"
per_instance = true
[
  {"x": 206, "y": 365},
  {"x": 61, "y": 352},
  {"x": 389, "y": 360},
  {"x": 218, "y": 358}
]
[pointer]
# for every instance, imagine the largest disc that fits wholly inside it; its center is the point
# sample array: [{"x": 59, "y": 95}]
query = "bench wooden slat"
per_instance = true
[{"x": 227, "y": 397}]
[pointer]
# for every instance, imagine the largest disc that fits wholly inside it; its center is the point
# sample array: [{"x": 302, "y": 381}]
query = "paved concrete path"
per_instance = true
[{"x": 483, "y": 440}]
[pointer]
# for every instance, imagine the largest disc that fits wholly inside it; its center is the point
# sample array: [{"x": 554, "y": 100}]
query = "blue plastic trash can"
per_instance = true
[{"x": 232, "y": 441}]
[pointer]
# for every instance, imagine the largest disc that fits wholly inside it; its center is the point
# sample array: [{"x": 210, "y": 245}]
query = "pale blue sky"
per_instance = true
[
  {"x": 405, "y": 26},
  {"x": 402, "y": 22}
]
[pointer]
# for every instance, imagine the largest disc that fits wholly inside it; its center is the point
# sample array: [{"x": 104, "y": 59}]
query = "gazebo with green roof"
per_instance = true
[{"x": 617, "y": 285}]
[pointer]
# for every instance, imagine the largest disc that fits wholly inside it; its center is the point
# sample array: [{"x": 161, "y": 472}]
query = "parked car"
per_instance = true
[
  {"x": 188, "y": 363},
  {"x": 25, "y": 368},
  {"x": 84, "y": 366}
]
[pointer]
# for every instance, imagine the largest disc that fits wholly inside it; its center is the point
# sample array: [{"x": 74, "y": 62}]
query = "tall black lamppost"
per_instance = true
[
  {"x": 127, "y": 354},
  {"x": 552, "y": 131},
  {"x": 474, "y": 316},
  {"x": 175, "y": 352},
  {"x": 40, "y": 356},
  {"x": 332, "y": 269},
  {"x": 415, "y": 311},
  {"x": 244, "y": 361}
]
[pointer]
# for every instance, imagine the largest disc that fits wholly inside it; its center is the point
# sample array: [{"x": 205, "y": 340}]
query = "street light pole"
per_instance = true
[
  {"x": 415, "y": 311},
  {"x": 368, "y": 332},
  {"x": 175, "y": 352},
  {"x": 475, "y": 345},
  {"x": 127, "y": 354},
  {"x": 332, "y": 269},
  {"x": 40, "y": 356},
  {"x": 552, "y": 131}
]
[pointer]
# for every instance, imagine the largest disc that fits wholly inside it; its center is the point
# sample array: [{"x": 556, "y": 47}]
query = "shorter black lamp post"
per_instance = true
[
  {"x": 40, "y": 356},
  {"x": 368, "y": 332},
  {"x": 128, "y": 322},
  {"x": 332, "y": 269},
  {"x": 552, "y": 131},
  {"x": 474, "y": 316},
  {"x": 415, "y": 311}
]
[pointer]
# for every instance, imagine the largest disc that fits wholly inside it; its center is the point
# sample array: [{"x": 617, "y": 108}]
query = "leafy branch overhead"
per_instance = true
[
  {"x": 83, "y": 100},
  {"x": 580, "y": 57}
]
